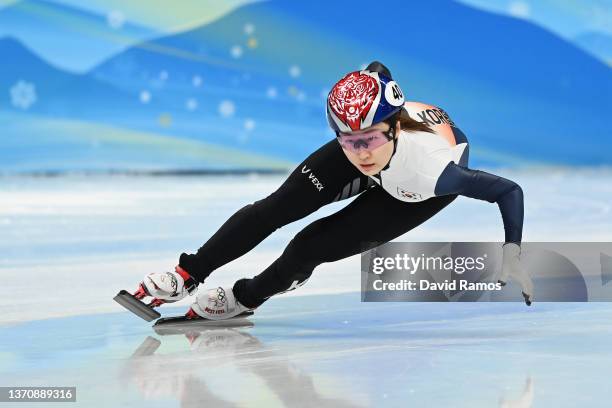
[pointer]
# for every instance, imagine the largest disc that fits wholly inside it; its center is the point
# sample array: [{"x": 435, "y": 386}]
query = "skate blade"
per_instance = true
[
  {"x": 127, "y": 300},
  {"x": 148, "y": 347},
  {"x": 180, "y": 324}
]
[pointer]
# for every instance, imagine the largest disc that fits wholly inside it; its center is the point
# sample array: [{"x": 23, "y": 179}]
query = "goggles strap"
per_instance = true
[{"x": 394, "y": 150}]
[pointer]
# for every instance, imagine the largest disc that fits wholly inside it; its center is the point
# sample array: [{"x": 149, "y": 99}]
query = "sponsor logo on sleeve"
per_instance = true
[{"x": 313, "y": 179}]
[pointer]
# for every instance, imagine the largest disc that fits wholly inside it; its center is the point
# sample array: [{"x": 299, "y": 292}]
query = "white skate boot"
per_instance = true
[
  {"x": 166, "y": 287},
  {"x": 216, "y": 304}
]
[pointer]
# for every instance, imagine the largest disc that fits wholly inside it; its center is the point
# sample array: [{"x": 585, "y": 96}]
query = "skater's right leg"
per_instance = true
[
  {"x": 371, "y": 219},
  {"x": 325, "y": 176}
]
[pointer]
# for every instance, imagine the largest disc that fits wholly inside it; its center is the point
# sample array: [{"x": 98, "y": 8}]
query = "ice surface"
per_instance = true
[
  {"x": 69, "y": 244},
  {"x": 327, "y": 351}
]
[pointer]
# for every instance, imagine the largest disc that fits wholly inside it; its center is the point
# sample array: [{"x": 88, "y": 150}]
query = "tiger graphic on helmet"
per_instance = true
[{"x": 361, "y": 99}]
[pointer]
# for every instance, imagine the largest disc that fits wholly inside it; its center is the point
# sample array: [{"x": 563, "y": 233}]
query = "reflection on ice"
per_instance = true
[
  {"x": 327, "y": 351},
  {"x": 156, "y": 375},
  {"x": 524, "y": 401},
  {"x": 176, "y": 375}
]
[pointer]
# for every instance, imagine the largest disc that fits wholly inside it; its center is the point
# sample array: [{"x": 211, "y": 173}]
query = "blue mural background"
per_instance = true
[
  {"x": 205, "y": 85},
  {"x": 193, "y": 86}
]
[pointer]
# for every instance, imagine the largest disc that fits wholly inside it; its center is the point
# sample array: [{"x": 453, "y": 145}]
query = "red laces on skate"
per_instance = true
[{"x": 369, "y": 140}]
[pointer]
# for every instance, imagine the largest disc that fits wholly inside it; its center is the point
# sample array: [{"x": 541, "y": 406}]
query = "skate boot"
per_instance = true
[
  {"x": 166, "y": 287},
  {"x": 216, "y": 304}
]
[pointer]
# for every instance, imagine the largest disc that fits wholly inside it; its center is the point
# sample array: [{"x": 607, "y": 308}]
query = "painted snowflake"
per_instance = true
[{"x": 23, "y": 95}]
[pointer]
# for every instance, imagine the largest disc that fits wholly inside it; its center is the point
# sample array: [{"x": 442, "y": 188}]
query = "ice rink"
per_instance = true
[
  {"x": 70, "y": 243},
  {"x": 327, "y": 351}
]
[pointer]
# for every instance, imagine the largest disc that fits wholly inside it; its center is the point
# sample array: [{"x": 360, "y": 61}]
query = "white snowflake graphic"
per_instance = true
[
  {"x": 145, "y": 97},
  {"x": 227, "y": 108},
  {"x": 519, "y": 9},
  {"x": 23, "y": 95},
  {"x": 249, "y": 28},
  {"x": 115, "y": 19},
  {"x": 295, "y": 71},
  {"x": 236, "y": 51},
  {"x": 249, "y": 125},
  {"x": 191, "y": 104},
  {"x": 271, "y": 92}
]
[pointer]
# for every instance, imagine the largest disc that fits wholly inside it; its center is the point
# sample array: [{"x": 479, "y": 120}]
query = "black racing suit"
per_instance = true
[{"x": 373, "y": 218}]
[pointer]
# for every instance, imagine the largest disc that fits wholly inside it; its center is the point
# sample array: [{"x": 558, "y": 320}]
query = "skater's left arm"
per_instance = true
[
  {"x": 508, "y": 195},
  {"x": 481, "y": 185}
]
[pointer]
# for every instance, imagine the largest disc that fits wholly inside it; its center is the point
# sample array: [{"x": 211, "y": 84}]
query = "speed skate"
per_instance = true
[
  {"x": 146, "y": 312},
  {"x": 137, "y": 306}
]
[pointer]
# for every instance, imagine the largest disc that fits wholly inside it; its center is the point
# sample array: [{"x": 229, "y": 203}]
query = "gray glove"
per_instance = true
[{"x": 512, "y": 269}]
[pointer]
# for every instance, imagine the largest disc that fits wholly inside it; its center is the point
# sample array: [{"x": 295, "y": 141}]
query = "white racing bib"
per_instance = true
[{"x": 417, "y": 164}]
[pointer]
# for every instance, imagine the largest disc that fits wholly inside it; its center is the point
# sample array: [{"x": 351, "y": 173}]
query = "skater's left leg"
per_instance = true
[
  {"x": 297, "y": 197},
  {"x": 371, "y": 219}
]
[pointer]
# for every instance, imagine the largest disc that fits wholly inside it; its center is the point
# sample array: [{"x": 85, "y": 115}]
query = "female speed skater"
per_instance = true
[{"x": 406, "y": 161}]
